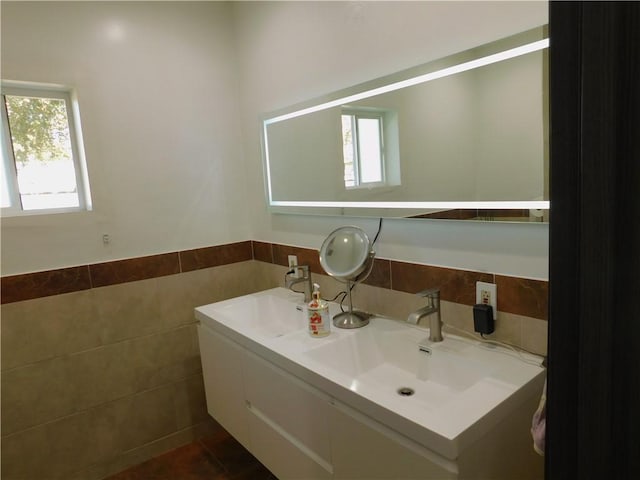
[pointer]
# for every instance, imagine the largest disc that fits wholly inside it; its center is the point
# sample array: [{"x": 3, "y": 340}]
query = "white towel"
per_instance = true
[{"x": 538, "y": 423}]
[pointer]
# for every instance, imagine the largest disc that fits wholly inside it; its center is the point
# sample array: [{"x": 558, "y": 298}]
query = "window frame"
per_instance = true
[
  {"x": 370, "y": 114},
  {"x": 58, "y": 92}
]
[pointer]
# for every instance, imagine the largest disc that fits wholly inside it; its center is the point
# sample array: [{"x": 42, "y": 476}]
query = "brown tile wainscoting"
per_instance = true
[
  {"x": 468, "y": 214},
  {"x": 519, "y": 296},
  {"x": 16, "y": 288}
]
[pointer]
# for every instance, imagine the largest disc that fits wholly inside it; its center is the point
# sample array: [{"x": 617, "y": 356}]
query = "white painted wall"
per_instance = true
[
  {"x": 157, "y": 88},
  {"x": 159, "y": 102},
  {"x": 293, "y": 51}
]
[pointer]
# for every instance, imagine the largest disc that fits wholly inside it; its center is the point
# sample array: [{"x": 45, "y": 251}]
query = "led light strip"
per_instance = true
[
  {"x": 427, "y": 77},
  {"x": 535, "y": 205},
  {"x": 462, "y": 67}
]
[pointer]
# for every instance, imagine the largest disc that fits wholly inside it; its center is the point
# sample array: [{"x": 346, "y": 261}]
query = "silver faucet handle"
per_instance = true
[
  {"x": 430, "y": 292},
  {"x": 305, "y": 269},
  {"x": 432, "y": 295}
]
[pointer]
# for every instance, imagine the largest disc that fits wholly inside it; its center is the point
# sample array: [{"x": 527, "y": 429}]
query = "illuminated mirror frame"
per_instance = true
[{"x": 475, "y": 58}]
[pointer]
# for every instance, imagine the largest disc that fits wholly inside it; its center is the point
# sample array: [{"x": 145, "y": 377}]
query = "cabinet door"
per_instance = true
[
  {"x": 287, "y": 416},
  {"x": 364, "y": 449},
  {"x": 282, "y": 454},
  {"x": 222, "y": 373}
]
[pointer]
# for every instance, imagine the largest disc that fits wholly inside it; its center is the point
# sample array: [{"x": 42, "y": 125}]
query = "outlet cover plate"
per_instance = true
[
  {"x": 293, "y": 262},
  {"x": 491, "y": 289}
]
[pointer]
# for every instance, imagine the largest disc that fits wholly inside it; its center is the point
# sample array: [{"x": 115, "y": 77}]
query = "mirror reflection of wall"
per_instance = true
[{"x": 476, "y": 136}]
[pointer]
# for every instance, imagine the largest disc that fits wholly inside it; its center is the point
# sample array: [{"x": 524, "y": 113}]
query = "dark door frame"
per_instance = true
[{"x": 593, "y": 421}]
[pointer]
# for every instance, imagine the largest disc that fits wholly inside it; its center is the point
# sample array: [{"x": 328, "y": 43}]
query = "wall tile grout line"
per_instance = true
[
  {"x": 75, "y": 473},
  {"x": 104, "y": 345},
  {"x": 191, "y": 427},
  {"x": 100, "y": 405},
  {"x": 90, "y": 279}
]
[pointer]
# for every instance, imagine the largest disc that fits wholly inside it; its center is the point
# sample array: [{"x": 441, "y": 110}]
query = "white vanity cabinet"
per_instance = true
[
  {"x": 299, "y": 432},
  {"x": 330, "y": 409},
  {"x": 288, "y": 424},
  {"x": 365, "y": 449},
  {"x": 223, "y": 383},
  {"x": 279, "y": 419}
]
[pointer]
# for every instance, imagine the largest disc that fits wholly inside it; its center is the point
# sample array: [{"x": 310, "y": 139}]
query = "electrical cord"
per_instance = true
[
  {"x": 334, "y": 298},
  {"x": 342, "y": 301},
  {"x": 291, "y": 288},
  {"x": 378, "y": 233},
  {"x": 517, "y": 350},
  {"x": 344, "y": 294}
]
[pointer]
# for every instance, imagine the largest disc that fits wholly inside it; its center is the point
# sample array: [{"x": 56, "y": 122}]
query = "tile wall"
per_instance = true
[
  {"x": 390, "y": 290},
  {"x": 100, "y": 363}
]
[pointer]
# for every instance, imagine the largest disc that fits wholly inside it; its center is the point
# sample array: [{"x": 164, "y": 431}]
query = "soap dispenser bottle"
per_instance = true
[{"x": 318, "y": 314}]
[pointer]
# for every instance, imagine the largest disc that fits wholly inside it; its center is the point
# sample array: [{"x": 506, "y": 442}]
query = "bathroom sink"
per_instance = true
[
  {"x": 268, "y": 314},
  {"x": 457, "y": 387},
  {"x": 398, "y": 359}
]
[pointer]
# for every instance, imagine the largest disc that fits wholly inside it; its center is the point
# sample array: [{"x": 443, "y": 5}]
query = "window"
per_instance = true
[
  {"x": 42, "y": 159},
  {"x": 363, "y": 148}
]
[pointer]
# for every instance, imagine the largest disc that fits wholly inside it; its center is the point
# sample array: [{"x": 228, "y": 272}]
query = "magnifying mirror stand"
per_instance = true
[
  {"x": 351, "y": 318},
  {"x": 347, "y": 255}
]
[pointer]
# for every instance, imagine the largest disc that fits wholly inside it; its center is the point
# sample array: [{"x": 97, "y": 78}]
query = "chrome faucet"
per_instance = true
[
  {"x": 433, "y": 307},
  {"x": 291, "y": 280}
]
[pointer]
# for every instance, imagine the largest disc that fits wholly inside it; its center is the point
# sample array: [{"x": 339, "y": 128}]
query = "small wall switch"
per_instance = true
[{"x": 486, "y": 294}]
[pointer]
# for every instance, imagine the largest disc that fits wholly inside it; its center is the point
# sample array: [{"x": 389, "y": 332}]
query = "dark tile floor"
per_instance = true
[{"x": 217, "y": 457}]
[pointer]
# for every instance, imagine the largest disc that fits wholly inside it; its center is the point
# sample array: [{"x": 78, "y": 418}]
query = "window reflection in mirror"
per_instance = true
[{"x": 363, "y": 149}]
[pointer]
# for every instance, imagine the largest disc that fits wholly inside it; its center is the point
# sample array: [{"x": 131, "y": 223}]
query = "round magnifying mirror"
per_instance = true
[{"x": 347, "y": 255}]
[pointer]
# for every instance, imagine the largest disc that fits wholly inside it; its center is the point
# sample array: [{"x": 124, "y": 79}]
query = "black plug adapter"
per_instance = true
[{"x": 483, "y": 318}]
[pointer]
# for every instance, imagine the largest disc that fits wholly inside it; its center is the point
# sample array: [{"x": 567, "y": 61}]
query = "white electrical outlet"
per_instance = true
[
  {"x": 293, "y": 262},
  {"x": 487, "y": 294}
]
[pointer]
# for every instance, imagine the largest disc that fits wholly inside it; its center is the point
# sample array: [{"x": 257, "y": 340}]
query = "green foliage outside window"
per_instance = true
[{"x": 39, "y": 128}]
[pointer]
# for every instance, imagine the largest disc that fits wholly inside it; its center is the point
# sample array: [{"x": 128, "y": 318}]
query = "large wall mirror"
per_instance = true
[{"x": 463, "y": 137}]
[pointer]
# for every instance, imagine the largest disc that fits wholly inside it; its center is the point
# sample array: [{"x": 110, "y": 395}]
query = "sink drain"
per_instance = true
[{"x": 405, "y": 391}]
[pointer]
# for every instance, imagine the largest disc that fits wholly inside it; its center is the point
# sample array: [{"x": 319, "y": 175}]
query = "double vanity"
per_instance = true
[{"x": 375, "y": 402}]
